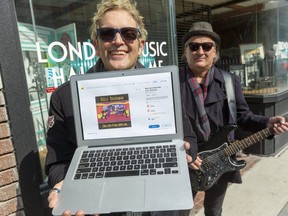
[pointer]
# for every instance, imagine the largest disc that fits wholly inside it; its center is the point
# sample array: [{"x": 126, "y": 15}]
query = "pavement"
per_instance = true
[{"x": 264, "y": 191}]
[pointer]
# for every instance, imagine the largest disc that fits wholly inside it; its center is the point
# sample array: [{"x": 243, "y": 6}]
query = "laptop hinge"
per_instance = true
[{"x": 138, "y": 143}]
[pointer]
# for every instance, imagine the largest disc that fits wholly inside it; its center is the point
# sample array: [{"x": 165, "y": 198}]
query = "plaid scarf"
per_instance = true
[{"x": 199, "y": 96}]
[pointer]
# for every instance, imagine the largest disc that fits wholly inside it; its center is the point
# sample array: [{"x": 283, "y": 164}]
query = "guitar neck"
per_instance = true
[{"x": 238, "y": 145}]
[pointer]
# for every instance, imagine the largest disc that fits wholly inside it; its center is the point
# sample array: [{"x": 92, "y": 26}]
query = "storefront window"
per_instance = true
[
  {"x": 55, "y": 42},
  {"x": 254, "y": 44}
]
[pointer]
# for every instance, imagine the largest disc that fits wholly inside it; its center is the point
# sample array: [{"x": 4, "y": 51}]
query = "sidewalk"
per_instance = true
[{"x": 264, "y": 191}]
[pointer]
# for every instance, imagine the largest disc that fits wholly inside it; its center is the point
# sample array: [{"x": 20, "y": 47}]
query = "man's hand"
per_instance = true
[
  {"x": 279, "y": 124},
  {"x": 53, "y": 198},
  {"x": 195, "y": 164},
  {"x": 53, "y": 195},
  {"x": 78, "y": 213}
]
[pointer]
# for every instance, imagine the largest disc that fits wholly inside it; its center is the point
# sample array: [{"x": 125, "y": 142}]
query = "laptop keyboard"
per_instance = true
[{"x": 131, "y": 161}]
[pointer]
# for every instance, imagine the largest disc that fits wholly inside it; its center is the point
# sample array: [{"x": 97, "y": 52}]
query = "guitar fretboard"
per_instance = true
[{"x": 236, "y": 146}]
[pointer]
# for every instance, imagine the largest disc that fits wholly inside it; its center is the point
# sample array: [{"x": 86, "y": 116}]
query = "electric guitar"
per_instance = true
[{"x": 216, "y": 162}]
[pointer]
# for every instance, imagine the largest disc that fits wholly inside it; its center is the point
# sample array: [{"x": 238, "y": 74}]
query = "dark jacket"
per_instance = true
[
  {"x": 217, "y": 109},
  {"x": 61, "y": 136}
]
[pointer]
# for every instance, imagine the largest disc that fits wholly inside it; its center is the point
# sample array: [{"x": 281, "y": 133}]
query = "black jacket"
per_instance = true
[
  {"x": 61, "y": 137},
  {"x": 217, "y": 109}
]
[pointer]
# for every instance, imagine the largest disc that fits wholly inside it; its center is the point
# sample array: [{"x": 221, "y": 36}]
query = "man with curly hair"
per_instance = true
[{"x": 118, "y": 34}]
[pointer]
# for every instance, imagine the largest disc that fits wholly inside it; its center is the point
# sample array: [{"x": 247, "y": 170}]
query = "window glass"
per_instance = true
[
  {"x": 254, "y": 43},
  {"x": 55, "y": 42}
]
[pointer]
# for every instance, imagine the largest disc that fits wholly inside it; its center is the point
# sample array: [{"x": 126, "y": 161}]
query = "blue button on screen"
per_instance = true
[{"x": 154, "y": 126}]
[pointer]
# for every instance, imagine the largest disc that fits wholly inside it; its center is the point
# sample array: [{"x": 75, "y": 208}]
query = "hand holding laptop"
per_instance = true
[
  {"x": 53, "y": 198},
  {"x": 53, "y": 195}
]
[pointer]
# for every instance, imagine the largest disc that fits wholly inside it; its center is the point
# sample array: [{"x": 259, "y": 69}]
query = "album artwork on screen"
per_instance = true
[{"x": 113, "y": 111}]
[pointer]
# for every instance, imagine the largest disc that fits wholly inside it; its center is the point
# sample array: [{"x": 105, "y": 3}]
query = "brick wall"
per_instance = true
[{"x": 10, "y": 194}]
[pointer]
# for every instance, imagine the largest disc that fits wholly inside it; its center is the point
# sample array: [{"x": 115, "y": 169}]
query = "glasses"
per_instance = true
[
  {"x": 193, "y": 46},
  {"x": 127, "y": 33}
]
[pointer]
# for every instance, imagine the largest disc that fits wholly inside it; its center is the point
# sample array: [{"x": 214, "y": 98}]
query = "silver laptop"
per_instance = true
[{"x": 130, "y": 155}]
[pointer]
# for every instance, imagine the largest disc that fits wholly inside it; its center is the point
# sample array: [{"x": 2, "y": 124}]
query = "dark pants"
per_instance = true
[
  {"x": 214, "y": 198},
  {"x": 171, "y": 213}
]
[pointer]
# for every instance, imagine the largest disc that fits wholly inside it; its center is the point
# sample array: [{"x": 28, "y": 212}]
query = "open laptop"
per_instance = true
[{"x": 130, "y": 155}]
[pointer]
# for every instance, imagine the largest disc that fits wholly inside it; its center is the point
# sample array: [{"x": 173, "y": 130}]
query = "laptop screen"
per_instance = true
[{"x": 126, "y": 106}]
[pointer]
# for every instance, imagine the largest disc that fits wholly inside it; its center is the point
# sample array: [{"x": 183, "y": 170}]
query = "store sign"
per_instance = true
[
  {"x": 155, "y": 49},
  {"x": 81, "y": 52},
  {"x": 86, "y": 51},
  {"x": 59, "y": 53}
]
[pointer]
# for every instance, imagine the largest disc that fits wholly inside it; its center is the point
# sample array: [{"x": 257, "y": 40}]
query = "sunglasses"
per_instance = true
[
  {"x": 108, "y": 34},
  {"x": 193, "y": 46}
]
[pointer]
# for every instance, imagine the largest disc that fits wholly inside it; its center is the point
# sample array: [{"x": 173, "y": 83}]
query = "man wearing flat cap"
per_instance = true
[{"x": 205, "y": 103}]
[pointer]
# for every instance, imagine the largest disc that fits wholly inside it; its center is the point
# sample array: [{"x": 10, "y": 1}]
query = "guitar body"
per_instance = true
[
  {"x": 218, "y": 161},
  {"x": 214, "y": 163},
  {"x": 210, "y": 173}
]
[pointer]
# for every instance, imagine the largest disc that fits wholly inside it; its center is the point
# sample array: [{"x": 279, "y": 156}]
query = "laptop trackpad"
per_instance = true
[{"x": 123, "y": 195}]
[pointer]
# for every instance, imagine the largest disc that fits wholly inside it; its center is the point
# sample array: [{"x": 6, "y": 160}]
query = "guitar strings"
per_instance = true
[{"x": 237, "y": 146}]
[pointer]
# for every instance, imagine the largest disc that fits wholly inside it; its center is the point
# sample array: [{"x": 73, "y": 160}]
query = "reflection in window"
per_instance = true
[{"x": 55, "y": 42}]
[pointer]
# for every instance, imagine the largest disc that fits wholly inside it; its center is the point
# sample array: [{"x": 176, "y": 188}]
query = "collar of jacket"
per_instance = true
[
  {"x": 99, "y": 66},
  {"x": 218, "y": 75},
  {"x": 216, "y": 92},
  {"x": 215, "y": 99},
  {"x": 218, "y": 78}
]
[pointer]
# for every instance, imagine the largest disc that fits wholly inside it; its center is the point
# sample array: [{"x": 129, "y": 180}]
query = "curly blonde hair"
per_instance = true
[{"x": 129, "y": 6}]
